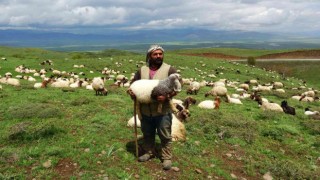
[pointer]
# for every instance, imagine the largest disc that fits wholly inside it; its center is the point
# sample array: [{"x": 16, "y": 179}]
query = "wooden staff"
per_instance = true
[{"x": 135, "y": 127}]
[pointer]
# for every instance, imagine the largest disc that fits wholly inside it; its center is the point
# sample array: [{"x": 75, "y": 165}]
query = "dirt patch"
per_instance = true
[
  {"x": 65, "y": 168},
  {"x": 232, "y": 158},
  {"x": 215, "y": 55},
  {"x": 303, "y": 54}
]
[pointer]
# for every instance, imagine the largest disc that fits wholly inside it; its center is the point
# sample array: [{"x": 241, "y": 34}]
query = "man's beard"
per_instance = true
[{"x": 156, "y": 62}]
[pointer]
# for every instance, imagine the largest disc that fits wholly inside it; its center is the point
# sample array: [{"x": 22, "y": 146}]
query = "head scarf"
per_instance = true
[{"x": 151, "y": 49}]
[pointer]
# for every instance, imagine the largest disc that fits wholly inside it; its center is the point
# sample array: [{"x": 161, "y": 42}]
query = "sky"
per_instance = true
[{"x": 98, "y": 16}]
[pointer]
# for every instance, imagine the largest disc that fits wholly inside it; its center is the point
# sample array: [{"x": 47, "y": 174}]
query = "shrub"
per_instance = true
[{"x": 251, "y": 60}]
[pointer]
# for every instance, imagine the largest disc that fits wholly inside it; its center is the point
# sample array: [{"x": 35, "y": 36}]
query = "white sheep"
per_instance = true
[
  {"x": 193, "y": 88},
  {"x": 218, "y": 91},
  {"x": 244, "y": 86},
  {"x": 146, "y": 90},
  {"x": 309, "y": 93},
  {"x": 60, "y": 83},
  {"x": 98, "y": 86},
  {"x": 309, "y": 112},
  {"x": 277, "y": 84},
  {"x": 210, "y": 104},
  {"x": 11, "y": 81},
  {"x": 178, "y": 130},
  {"x": 130, "y": 122},
  {"x": 270, "y": 106},
  {"x": 233, "y": 100}
]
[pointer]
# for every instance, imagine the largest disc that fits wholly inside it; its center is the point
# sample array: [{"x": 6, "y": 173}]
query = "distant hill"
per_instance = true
[{"x": 137, "y": 40}]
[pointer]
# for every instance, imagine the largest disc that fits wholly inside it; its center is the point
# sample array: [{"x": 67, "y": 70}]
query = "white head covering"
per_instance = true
[
  {"x": 151, "y": 49},
  {"x": 154, "y": 47}
]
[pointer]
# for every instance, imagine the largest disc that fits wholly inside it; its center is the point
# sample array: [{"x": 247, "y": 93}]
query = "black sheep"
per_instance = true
[{"x": 288, "y": 109}]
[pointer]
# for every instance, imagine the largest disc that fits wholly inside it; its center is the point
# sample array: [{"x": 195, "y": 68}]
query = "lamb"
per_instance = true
[
  {"x": 288, "y": 109},
  {"x": 98, "y": 86},
  {"x": 146, "y": 90}
]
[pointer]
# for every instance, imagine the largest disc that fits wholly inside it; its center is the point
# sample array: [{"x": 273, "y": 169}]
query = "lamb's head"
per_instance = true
[{"x": 176, "y": 78}]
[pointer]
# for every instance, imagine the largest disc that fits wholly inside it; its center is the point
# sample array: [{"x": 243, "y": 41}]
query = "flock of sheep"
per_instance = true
[{"x": 232, "y": 91}]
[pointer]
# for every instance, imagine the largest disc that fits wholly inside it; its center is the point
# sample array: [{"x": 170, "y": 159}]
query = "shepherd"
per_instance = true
[{"x": 153, "y": 119}]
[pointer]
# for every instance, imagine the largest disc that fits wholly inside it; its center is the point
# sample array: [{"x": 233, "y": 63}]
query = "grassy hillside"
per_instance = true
[{"x": 52, "y": 133}]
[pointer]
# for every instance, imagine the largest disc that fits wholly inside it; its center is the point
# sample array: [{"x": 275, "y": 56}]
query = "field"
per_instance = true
[{"x": 52, "y": 133}]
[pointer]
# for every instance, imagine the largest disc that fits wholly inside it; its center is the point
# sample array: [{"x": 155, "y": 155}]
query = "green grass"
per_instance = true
[{"x": 88, "y": 136}]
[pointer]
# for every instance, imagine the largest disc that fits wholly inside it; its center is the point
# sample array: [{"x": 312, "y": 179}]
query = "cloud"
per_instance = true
[{"x": 246, "y": 15}]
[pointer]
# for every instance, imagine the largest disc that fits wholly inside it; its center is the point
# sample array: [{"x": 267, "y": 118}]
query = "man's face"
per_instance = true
[{"x": 156, "y": 57}]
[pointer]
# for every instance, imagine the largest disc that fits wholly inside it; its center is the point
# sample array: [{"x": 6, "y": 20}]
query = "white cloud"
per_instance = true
[{"x": 254, "y": 15}]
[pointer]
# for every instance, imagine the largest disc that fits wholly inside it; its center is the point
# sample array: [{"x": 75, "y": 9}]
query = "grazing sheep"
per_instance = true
[
  {"x": 121, "y": 79},
  {"x": 193, "y": 88},
  {"x": 288, "y": 109},
  {"x": 256, "y": 97},
  {"x": 146, "y": 90},
  {"x": 188, "y": 101},
  {"x": 218, "y": 91},
  {"x": 185, "y": 104},
  {"x": 98, "y": 86},
  {"x": 244, "y": 86},
  {"x": 277, "y": 85}
]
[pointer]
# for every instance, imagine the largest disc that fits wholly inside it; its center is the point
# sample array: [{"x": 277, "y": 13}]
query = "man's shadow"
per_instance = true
[{"x": 131, "y": 148}]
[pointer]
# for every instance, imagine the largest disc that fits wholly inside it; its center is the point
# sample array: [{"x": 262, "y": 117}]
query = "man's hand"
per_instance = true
[
  {"x": 132, "y": 95},
  {"x": 161, "y": 99},
  {"x": 173, "y": 93}
]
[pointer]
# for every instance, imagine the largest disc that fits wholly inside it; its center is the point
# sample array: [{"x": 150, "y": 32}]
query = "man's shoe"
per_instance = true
[
  {"x": 144, "y": 157},
  {"x": 166, "y": 164}
]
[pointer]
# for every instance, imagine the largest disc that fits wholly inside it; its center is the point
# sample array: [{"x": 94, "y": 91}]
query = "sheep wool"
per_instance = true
[{"x": 145, "y": 89}]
